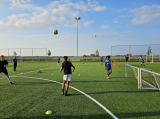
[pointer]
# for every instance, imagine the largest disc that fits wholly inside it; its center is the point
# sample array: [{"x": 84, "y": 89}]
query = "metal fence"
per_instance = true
[{"x": 135, "y": 51}]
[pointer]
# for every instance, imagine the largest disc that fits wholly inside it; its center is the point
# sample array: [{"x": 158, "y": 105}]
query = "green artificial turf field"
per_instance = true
[{"x": 30, "y": 98}]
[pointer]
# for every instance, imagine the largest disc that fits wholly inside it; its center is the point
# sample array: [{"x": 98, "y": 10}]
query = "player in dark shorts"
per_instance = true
[
  {"x": 127, "y": 59},
  {"x": 101, "y": 62},
  {"x": 3, "y": 65},
  {"x": 107, "y": 66},
  {"x": 66, "y": 65},
  {"x": 142, "y": 61},
  {"x": 58, "y": 64},
  {"x": 14, "y": 63}
]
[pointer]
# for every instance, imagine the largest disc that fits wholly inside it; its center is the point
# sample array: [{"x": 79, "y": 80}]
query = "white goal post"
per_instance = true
[{"x": 146, "y": 78}]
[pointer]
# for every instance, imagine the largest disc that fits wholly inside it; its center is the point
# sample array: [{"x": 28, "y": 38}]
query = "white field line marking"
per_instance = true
[
  {"x": 26, "y": 72},
  {"x": 109, "y": 112}
]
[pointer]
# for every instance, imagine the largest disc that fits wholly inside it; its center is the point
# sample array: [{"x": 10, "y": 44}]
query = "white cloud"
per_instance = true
[
  {"x": 100, "y": 8},
  {"x": 115, "y": 22},
  {"x": 105, "y": 26},
  {"x": 146, "y": 14},
  {"x": 55, "y": 14}
]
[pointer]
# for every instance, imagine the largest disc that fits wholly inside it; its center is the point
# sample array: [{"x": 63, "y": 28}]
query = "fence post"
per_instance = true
[
  {"x": 138, "y": 80},
  {"x": 146, "y": 58},
  {"x": 126, "y": 70}
]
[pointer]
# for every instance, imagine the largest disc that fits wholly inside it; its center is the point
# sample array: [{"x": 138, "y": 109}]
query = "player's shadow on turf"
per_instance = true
[
  {"x": 139, "y": 114},
  {"x": 53, "y": 116},
  {"x": 33, "y": 83},
  {"x": 95, "y": 81},
  {"x": 147, "y": 91}
]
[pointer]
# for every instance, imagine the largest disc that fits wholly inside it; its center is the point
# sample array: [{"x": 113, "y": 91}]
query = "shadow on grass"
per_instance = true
[
  {"x": 32, "y": 83},
  {"x": 147, "y": 115},
  {"x": 146, "y": 91},
  {"x": 95, "y": 116},
  {"x": 52, "y": 116},
  {"x": 96, "y": 81}
]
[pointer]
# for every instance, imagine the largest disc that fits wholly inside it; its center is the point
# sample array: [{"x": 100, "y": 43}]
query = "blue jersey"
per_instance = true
[
  {"x": 142, "y": 60},
  {"x": 15, "y": 61},
  {"x": 101, "y": 58},
  {"x": 108, "y": 63}
]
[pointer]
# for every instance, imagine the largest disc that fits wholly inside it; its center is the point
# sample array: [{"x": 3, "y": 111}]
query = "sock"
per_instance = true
[
  {"x": 141, "y": 65},
  {"x": 9, "y": 79},
  {"x": 62, "y": 90},
  {"x": 66, "y": 91},
  {"x": 144, "y": 65}
]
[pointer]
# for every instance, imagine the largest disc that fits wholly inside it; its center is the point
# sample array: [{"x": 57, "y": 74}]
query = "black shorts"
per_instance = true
[
  {"x": 126, "y": 60},
  {"x": 101, "y": 60},
  {"x": 108, "y": 68},
  {"x": 4, "y": 71},
  {"x": 58, "y": 61}
]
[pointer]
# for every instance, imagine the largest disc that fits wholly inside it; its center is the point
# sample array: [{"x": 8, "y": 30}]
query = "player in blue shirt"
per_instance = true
[
  {"x": 142, "y": 61},
  {"x": 15, "y": 63},
  {"x": 107, "y": 66},
  {"x": 105, "y": 58},
  {"x": 101, "y": 62}
]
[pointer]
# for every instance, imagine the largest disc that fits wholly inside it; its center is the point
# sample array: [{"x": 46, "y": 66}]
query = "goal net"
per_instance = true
[
  {"x": 146, "y": 78},
  {"x": 149, "y": 79},
  {"x": 132, "y": 72},
  {"x": 115, "y": 63}
]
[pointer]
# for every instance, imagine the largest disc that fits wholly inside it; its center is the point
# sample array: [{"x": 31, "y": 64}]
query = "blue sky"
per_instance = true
[{"x": 30, "y": 24}]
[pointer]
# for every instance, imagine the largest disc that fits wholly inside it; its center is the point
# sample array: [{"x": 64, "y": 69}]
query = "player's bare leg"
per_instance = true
[
  {"x": 110, "y": 71},
  {"x": 67, "y": 88},
  {"x": 63, "y": 86},
  {"x": 143, "y": 65},
  {"x": 107, "y": 73},
  {"x": 9, "y": 79}
]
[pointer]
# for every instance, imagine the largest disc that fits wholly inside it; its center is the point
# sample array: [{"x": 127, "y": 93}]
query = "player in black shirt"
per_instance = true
[
  {"x": 58, "y": 64},
  {"x": 15, "y": 63},
  {"x": 3, "y": 65},
  {"x": 66, "y": 65},
  {"x": 127, "y": 59}
]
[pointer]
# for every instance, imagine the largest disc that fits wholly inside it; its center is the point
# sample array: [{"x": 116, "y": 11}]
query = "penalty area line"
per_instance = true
[{"x": 98, "y": 103}]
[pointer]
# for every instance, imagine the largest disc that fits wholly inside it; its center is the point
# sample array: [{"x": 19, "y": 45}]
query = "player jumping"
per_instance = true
[
  {"x": 66, "y": 65},
  {"x": 3, "y": 65},
  {"x": 107, "y": 66},
  {"x": 142, "y": 61},
  {"x": 101, "y": 62}
]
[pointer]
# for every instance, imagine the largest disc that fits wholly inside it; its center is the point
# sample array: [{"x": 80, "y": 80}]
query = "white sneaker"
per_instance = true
[{"x": 108, "y": 77}]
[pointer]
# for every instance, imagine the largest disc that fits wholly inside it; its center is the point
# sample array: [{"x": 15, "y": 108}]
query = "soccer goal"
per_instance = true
[
  {"x": 115, "y": 63},
  {"x": 146, "y": 78},
  {"x": 132, "y": 72},
  {"x": 149, "y": 79}
]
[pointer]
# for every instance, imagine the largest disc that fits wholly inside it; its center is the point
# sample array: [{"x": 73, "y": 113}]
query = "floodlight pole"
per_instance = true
[
  {"x": 77, "y": 39},
  {"x": 77, "y": 34}
]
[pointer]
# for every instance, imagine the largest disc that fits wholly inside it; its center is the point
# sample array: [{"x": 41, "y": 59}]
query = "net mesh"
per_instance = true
[
  {"x": 131, "y": 71},
  {"x": 150, "y": 79},
  {"x": 115, "y": 63}
]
